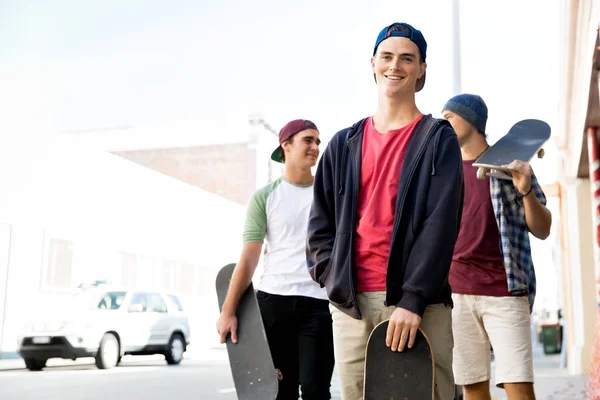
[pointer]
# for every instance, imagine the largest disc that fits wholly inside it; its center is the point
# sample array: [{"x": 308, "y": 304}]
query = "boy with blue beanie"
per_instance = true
[
  {"x": 471, "y": 108},
  {"x": 385, "y": 216},
  {"x": 492, "y": 275}
]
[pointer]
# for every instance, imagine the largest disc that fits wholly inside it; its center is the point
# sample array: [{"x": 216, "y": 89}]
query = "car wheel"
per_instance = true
[
  {"x": 175, "y": 349},
  {"x": 35, "y": 364},
  {"x": 108, "y": 352}
]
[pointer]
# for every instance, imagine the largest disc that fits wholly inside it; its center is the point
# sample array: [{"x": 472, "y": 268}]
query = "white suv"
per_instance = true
[{"x": 108, "y": 324}]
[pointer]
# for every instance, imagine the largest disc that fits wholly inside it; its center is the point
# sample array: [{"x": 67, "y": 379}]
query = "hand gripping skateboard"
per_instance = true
[
  {"x": 254, "y": 374},
  {"x": 524, "y": 140},
  {"x": 392, "y": 375}
]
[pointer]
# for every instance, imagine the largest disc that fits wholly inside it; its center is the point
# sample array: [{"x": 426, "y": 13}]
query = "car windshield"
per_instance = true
[
  {"x": 98, "y": 300},
  {"x": 111, "y": 301}
]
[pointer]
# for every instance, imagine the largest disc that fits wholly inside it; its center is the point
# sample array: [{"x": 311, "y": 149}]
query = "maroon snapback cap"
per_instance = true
[{"x": 289, "y": 130}]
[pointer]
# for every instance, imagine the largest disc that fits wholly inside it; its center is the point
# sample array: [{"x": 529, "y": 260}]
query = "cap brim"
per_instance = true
[
  {"x": 420, "y": 83},
  {"x": 275, "y": 155}
]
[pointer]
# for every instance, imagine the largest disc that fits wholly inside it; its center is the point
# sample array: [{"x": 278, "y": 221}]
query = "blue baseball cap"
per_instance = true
[{"x": 402, "y": 29}]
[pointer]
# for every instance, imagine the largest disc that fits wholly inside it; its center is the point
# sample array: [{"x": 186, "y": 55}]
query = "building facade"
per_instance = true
[{"x": 579, "y": 122}]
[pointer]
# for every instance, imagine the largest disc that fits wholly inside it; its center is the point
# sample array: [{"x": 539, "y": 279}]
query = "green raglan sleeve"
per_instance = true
[{"x": 255, "y": 227}]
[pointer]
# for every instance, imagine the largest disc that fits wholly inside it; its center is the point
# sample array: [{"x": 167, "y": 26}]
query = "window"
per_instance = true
[
  {"x": 147, "y": 272},
  {"x": 111, "y": 301},
  {"x": 167, "y": 272},
  {"x": 176, "y": 301},
  {"x": 156, "y": 303},
  {"x": 59, "y": 263},
  {"x": 128, "y": 268},
  {"x": 138, "y": 300},
  {"x": 186, "y": 279}
]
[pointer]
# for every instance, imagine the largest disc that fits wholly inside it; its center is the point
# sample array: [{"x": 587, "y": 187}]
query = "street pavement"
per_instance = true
[
  {"x": 202, "y": 375},
  {"x": 137, "y": 378},
  {"x": 145, "y": 378}
]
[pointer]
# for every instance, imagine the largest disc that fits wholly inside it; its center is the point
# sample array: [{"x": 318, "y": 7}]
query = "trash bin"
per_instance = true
[{"x": 551, "y": 338}]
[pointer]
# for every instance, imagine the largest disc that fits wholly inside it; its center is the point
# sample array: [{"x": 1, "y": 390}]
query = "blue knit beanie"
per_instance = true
[{"x": 471, "y": 108}]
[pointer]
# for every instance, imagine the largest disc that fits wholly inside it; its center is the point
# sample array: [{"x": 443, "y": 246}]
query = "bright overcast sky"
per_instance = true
[{"x": 79, "y": 65}]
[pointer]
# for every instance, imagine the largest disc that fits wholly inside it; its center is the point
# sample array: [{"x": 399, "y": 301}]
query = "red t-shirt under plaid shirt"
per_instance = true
[{"x": 382, "y": 158}]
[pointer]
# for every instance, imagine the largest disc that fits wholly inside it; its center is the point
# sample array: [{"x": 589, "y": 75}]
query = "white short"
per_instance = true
[{"x": 504, "y": 322}]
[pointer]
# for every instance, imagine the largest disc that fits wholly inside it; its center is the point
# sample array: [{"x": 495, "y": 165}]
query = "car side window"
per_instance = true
[
  {"x": 176, "y": 301},
  {"x": 138, "y": 303},
  {"x": 156, "y": 303}
]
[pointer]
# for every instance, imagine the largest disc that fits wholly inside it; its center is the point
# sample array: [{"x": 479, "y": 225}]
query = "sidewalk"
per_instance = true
[{"x": 551, "y": 381}]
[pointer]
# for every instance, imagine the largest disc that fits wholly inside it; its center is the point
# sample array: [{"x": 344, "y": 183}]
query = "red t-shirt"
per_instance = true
[
  {"x": 477, "y": 266},
  {"x": 382, "y": 157}
]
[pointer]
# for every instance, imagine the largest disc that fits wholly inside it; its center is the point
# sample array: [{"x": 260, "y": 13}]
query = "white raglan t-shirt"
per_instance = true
[{"x": 279, "y": 212}]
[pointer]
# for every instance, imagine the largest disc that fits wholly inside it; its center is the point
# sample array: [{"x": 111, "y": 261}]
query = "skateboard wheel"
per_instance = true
[
  {"x": 541, "y": 153},
  {"x": 481, "y": 173}
]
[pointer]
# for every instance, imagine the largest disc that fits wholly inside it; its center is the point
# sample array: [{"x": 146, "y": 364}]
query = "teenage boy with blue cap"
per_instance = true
[
  {"x": 492, "y": 274},
  {"x": 386, "y": 213}
]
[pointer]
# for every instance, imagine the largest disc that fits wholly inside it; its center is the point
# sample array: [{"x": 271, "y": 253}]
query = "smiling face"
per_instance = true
[
  {"x": 397, "y": 66},
  {"x": 302, "y": 150}
]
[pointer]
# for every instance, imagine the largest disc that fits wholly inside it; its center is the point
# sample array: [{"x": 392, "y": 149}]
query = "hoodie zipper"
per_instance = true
[
  {"x": 354, "y": 205},
  {"x": 402, "y": 198}
]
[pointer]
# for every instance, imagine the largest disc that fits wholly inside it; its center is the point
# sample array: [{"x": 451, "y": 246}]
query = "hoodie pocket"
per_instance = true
[
  {"x": 322, "y": 279},
  {"x": 337, "y": 278}
]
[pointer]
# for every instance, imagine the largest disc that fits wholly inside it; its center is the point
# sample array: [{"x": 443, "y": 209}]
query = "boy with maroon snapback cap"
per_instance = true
[
  {"x": 386, "y": 213},
  {"x": 294, "y": 309}
]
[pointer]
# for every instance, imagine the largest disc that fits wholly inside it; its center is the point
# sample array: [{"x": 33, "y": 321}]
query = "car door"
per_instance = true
[
  {"x": 159, "y": 331},
  {"x": 140, "y": 322}
]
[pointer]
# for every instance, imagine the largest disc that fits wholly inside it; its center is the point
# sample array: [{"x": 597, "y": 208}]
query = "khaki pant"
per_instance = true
[
  {"x": 501, "y": 321},
  {"x": 350, "y": 340}
]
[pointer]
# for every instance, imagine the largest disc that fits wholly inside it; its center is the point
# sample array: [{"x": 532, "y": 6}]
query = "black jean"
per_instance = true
[{"x": 300, "y": 335}]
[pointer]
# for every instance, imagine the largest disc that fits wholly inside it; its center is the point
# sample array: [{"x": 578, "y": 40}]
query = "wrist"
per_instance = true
[
  {"x": 228, "y": 310},
  {"x": 526, "y": 193}
]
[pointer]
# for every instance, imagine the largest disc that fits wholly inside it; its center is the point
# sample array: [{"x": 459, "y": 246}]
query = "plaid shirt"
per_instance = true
[{"x": 514, "y": 235}]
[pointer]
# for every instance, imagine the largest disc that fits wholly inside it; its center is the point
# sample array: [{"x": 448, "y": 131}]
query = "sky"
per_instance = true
[{"x": 77, "y": 66}]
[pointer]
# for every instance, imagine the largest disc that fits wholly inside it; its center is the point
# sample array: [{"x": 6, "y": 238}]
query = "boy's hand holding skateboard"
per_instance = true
[
  {"x": 403, "y": 327},
  {"x": 521, "y": 176},
  {"x": 225, "y": 324}
]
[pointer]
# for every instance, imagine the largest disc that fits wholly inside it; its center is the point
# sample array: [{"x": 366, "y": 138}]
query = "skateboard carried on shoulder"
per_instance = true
[
  {"x": 254, "y": 374},
  {"x": 524, "y": 140},
  {"x": 405, "y": 375}
]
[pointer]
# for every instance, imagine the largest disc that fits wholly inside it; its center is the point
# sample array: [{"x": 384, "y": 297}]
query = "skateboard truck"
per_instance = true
[{"x": 500, "y": 173}]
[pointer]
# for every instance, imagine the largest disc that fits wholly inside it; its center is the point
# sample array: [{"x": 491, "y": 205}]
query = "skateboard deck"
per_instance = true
[
  {"x": 406, "y": 375},
  {"x": 524, "y": 140},
  {"x": 254, "y": 374}
]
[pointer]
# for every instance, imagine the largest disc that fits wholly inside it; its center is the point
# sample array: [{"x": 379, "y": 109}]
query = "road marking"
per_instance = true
[{"x": 223, "y": 391}]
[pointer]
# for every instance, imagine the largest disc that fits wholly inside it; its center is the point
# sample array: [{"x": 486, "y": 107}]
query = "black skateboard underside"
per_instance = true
[
  {"x": 252, "y": 367},
  {"x": 522, "y": 142},
  {"x": 398, "y": 375}
]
